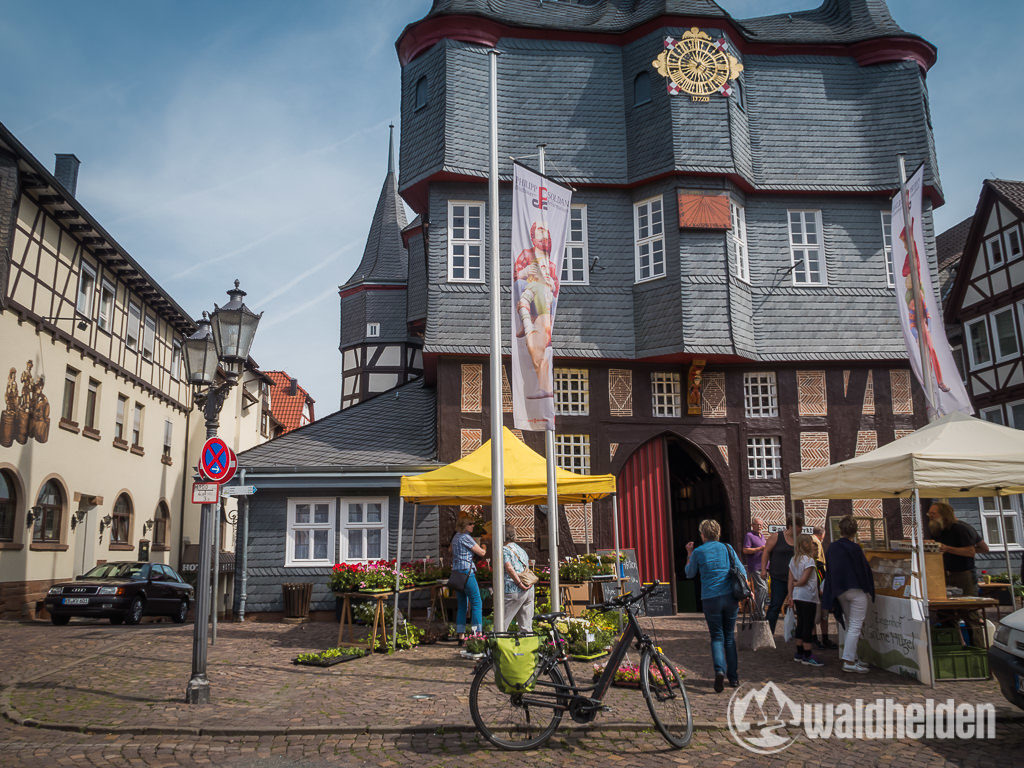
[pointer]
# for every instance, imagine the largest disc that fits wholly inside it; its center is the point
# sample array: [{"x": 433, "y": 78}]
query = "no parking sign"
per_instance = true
[{"x": 217, "y": 462}]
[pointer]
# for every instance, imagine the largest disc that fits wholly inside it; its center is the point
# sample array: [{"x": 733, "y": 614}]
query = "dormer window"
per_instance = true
[
  {"x": 372, "y": 330},
  {"x": 420, "y": 93}
]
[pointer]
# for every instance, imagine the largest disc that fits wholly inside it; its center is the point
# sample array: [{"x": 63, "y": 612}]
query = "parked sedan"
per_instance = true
[
  {"x": 122, "y": 592},
  {"x": 1006, "y": 657}
]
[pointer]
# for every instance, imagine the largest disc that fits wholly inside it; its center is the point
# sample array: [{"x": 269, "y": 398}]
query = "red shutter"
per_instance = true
[{"x": 644, "y": 516}]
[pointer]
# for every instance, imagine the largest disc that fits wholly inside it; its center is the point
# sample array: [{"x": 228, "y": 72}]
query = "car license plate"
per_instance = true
[
  {"x": 1019, "y": 683},
  {"x": 75, "y": 601}
]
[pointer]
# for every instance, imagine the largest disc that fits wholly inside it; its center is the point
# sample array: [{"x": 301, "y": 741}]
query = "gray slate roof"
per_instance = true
[
  {"x": 1012, "y": 193},
  {"x": 384, "y": 257},
  {"x": 834, "y": 21},
  {"x": 396, "y": 429}
]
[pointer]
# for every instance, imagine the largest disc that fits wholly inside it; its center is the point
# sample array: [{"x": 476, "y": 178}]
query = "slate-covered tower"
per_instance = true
[
  {"x": 728, "y": 313},
  {"x": 378, "y": 352}
]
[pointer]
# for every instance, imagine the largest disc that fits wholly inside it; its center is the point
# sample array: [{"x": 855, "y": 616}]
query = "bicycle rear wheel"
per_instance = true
[
  {"x": 503, "y": 719},
  {"x": 665, "y": 694}
]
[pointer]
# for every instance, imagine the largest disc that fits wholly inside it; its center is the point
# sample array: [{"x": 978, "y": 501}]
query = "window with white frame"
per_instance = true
[
  {"x": 649, "y": 231},
  {"x": 1014, "y": 247},
  {"x": 994, "y": 251},
  {"x": 372, "y": 330},
  {"x": 575, "y": 266},
  {"x": 1016, "y": 413},
  {"x": 978, "y": 350},
  {"x": 310, "y": 534},
  {"x": 760, "y": 395},
  {"x": 764, "y": 458},
  {"x": 572, "y": 453},
  {"x": 175, "y": 359},
  {"x": 364, "y": 529},
  {"x": 993, "y": 414},
  {"x": 890, "y": 269},
  {"x": 572, "y": 391},
  {"x": 131, "y": 336},
  {"x": 148, "y": 337},
  {"x": 665, "y": 394},
  {"x": 997, "y": 528},
  {"x": 806, "y": 252},
  {"x": 738, "y": 234},
  {"x": 106, "y": 307},
  {"x": 1004, "y": 334},
  {"x": 465, "y": 242},
  {"x": 86, "y": 289}
]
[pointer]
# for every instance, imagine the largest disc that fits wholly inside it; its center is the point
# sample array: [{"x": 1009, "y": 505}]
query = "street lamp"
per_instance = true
[{"x": 222, "y": 340}]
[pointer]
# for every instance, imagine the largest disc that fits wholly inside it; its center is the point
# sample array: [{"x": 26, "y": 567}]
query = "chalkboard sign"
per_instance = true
[
  {"x": 659, "y": 602},
  {"x": 628, "y": 568}
]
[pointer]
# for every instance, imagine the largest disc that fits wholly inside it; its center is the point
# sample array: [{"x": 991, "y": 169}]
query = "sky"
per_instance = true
[{"x": 249, "y": 140}]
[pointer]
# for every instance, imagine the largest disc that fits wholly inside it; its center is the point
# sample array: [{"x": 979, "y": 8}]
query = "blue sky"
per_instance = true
[{"x": 249, "y": 140}]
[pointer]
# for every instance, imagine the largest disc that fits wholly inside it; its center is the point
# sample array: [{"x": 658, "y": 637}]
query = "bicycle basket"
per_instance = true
[{"x": 515, "y": 663}]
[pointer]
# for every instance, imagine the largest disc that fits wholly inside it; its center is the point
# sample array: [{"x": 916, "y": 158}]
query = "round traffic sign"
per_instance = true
[{"x": 217, "y": 462}]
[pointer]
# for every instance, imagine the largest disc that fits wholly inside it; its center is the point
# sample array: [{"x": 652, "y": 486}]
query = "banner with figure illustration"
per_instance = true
[
  {"x": 892, "y": 637},
  {"x": 948, "y": 393},
  {"x": 540, "y": 218}
]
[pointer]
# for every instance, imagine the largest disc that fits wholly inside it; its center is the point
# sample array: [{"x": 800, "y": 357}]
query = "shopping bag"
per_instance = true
[
  {"x": 789, "y": 626},
  {"x": 754, "y": 634}
]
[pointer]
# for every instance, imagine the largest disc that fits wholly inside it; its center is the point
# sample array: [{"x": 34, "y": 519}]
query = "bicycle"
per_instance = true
[{"x": 522, "y": 721}]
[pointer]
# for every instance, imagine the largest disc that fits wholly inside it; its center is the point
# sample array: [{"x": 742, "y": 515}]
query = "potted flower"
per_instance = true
[
  {"x": 574, "y": 571},
  {"x": 476, "y": 646},
  {"x": 586, "y": 639},
  {"x": 628, "y": 675},
  {"x": 345, "y": 577}
]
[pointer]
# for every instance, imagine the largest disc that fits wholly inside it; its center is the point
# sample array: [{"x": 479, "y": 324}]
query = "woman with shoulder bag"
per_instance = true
[
  {"x": 519, "y": 595},
  {"x": 715, "y": 561},
  {"x": 463, "y": 548}
]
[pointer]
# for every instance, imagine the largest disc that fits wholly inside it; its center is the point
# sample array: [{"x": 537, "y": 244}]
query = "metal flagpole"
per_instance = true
[
  {"x": 497, "y": 422},
  {"x": 919, "y": 305},
  {"x": 922, "y": 575},
  {"x": 216, "y": 567},
  {"x": 618, "y": 554},
  {"x": 549, "y": 450},
  {"x": 398, "y": 570}
]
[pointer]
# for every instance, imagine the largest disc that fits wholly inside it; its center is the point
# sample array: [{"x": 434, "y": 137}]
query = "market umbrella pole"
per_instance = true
[
  {"x": 497, "y": 447},
  {"x": 618, "y": 557},
  {"x": 1006, "y": 550},
  {"x": 919, "y": 531},
  {"x": 398, "y": 571}
]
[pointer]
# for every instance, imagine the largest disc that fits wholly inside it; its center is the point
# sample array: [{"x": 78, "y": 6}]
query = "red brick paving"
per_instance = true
[{"x": 103, "y": 679}]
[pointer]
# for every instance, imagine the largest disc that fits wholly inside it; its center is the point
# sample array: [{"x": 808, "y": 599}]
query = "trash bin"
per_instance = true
[{"x": 296, "y": 600}]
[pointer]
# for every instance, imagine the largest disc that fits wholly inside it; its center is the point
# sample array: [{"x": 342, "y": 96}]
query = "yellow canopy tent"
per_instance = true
[{"x": 468, "y": 480}]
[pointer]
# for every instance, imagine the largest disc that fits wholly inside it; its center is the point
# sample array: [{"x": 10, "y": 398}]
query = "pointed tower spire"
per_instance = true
[{"x": 391, "y": 148}]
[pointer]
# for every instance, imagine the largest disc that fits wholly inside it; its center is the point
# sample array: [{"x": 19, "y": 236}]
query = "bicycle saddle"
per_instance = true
[{"x": 549, "y": 616}]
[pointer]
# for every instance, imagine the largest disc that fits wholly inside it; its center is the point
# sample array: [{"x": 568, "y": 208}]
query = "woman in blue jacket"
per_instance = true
[
  {"x": 848, "y": 582},
  {"x": 712, "y": 560}
]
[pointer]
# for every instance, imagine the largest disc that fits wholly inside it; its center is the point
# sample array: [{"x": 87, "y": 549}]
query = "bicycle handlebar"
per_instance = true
[{"x": 624, "y": 600}]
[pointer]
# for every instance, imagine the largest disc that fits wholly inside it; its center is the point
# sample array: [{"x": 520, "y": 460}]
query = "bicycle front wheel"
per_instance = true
[
  {"x": 665, "y": 694},
  {"x": 505, "y": 720}
]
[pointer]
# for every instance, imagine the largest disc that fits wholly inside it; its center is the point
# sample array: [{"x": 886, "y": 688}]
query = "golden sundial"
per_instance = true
[{"x": 698, "y": 65}]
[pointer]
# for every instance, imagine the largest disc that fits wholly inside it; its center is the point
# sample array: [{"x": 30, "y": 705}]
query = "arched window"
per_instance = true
[
  {"x": 121, "y": 529},
  {"x": 161, "y": 526},
  {"x": 49, "y": 510},
  {"x": 421, "y": 93},
  {"x": 641, "y": 89},
  {"x": 8, "y": 500}
]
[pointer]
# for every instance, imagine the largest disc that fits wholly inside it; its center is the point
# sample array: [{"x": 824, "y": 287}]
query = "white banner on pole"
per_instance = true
[
  {"x": 948, "y": 393},
  {"x": 540, "y": 218}
]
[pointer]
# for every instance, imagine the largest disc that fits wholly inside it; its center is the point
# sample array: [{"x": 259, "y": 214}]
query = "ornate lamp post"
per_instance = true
[{"x": 222, "y": 340}]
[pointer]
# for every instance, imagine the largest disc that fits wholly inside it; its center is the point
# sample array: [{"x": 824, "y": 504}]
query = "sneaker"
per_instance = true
[
  {"x": 798, "y": 657},
  {"x": 734, "y": 683},
  {"x": 719, "y": 682},
  {"x": 854, "y": 667},
  {"x": 810, "y": 661},
  {"x": 862, "y": 665}
]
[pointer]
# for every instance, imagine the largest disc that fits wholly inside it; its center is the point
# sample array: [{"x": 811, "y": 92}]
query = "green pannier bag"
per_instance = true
[{"x": 515, "y": 662}]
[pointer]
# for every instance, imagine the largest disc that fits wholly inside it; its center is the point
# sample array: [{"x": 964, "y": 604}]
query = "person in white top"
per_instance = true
[{"x": 803, "y": 597}]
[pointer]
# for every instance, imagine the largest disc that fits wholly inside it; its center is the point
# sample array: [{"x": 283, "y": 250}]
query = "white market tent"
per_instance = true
[{"x": 955, "y": 456}]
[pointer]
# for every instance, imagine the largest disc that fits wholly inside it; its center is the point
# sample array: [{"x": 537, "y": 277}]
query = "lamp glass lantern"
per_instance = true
[
  {"x": 201, "y": 355},
  {"x": 234, "y": 326}
]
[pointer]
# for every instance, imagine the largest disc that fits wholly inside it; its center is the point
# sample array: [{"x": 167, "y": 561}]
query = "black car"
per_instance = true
[{"x": 122, "y": 592}]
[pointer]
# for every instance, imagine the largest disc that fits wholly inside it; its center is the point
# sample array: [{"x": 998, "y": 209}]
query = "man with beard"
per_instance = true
[
  {"x": 959, "y": 543},
  {"x": 535, "y": 267}
]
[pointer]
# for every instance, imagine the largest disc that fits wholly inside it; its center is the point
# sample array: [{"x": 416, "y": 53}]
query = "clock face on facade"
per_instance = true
[{"x": 697, "y": 65}]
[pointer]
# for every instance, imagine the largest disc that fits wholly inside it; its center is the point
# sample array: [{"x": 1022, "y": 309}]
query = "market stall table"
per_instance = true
[
  {"x": 378, "y": 613},
  {"x": 952, "y": 611}
]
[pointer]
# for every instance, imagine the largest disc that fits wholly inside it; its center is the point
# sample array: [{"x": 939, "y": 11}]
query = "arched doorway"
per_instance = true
[{"x": 666, "y": 487}]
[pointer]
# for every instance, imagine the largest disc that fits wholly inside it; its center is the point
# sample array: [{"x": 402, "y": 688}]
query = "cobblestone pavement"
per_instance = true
[{"x": 118, "y": 693}]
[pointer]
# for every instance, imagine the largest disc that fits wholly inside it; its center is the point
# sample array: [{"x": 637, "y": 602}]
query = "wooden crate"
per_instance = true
[{"x": 892, "y": 573}]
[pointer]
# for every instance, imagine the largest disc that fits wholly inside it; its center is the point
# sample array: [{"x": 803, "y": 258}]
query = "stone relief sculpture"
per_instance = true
[{"x": 27, "y": 412}]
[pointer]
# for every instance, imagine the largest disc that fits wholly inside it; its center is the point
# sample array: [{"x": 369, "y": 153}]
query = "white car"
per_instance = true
[{"x": 1006, "y": 657}]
